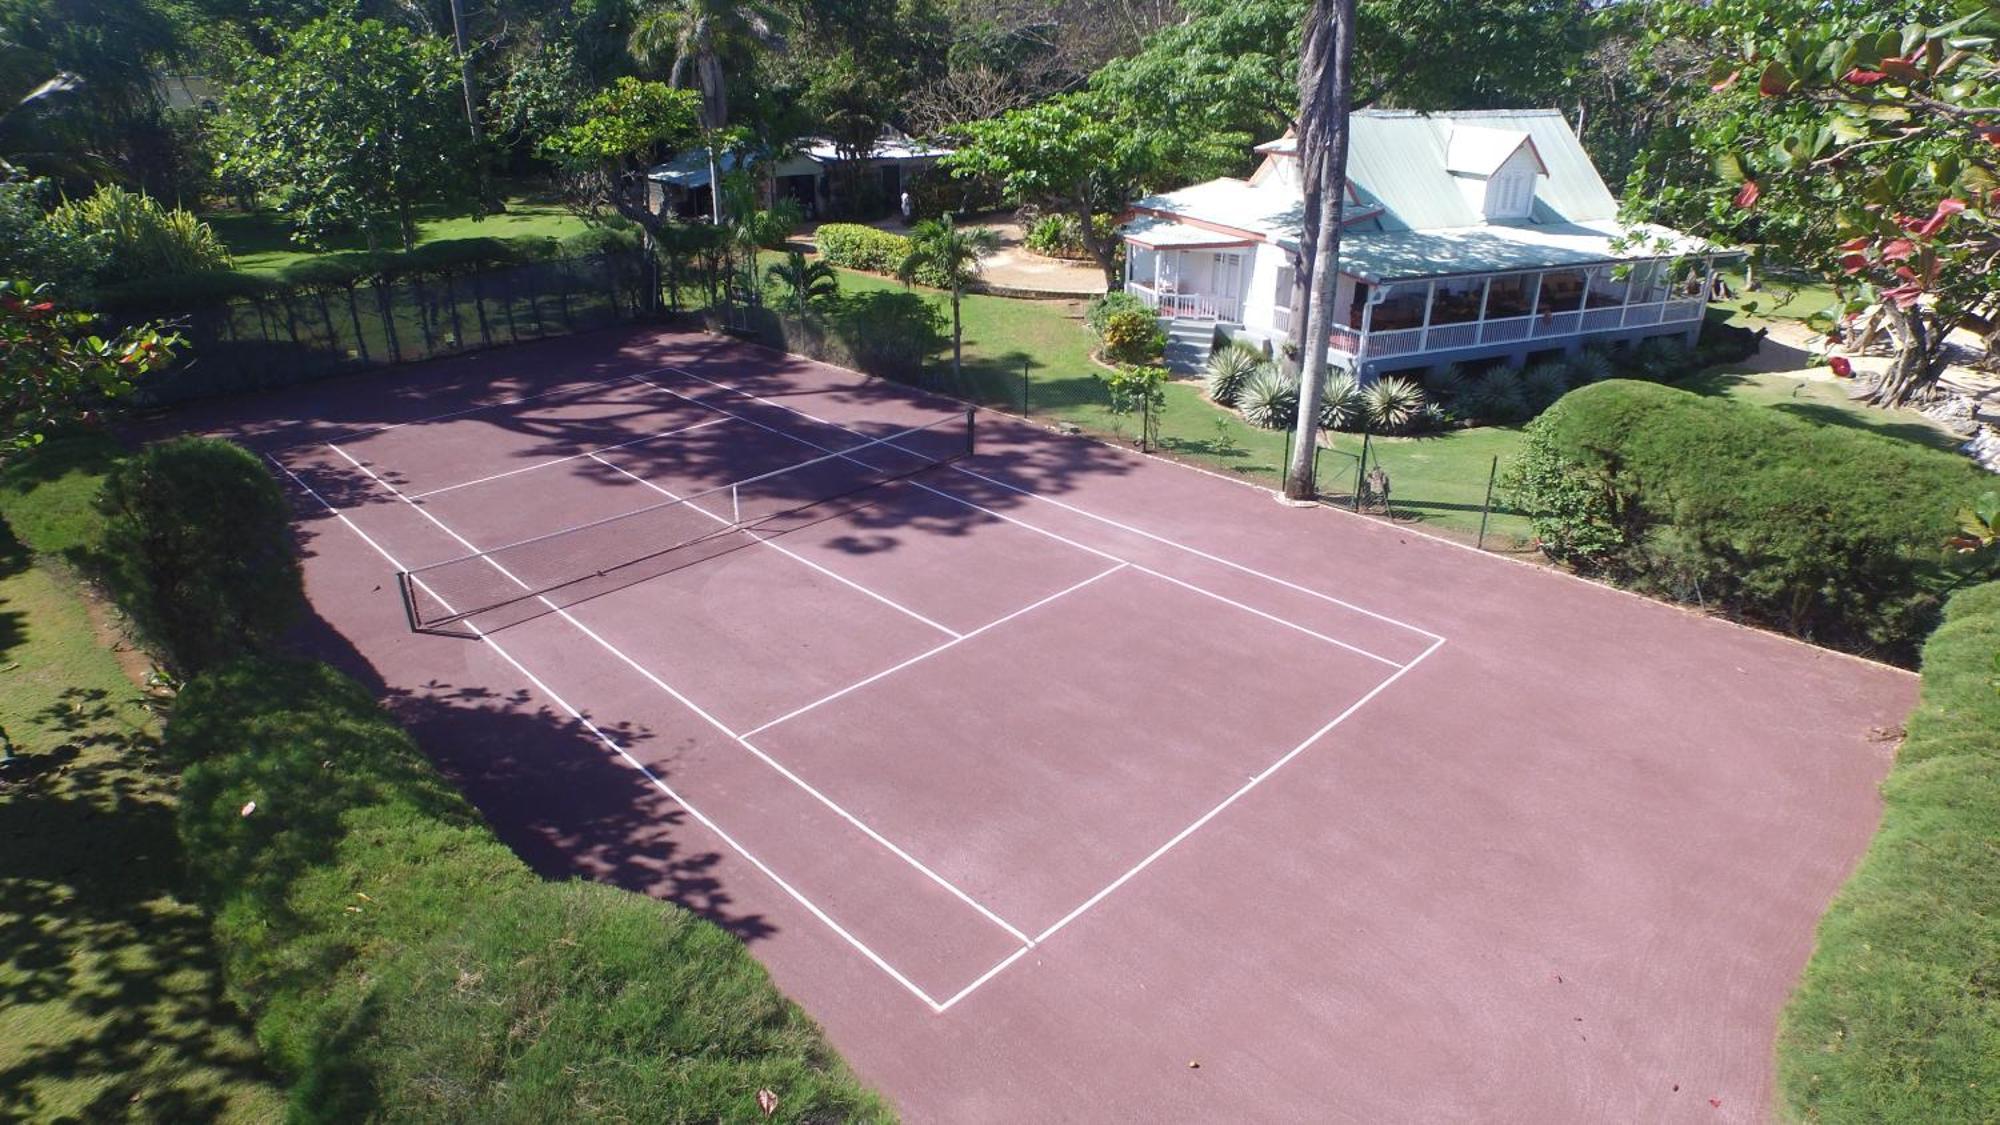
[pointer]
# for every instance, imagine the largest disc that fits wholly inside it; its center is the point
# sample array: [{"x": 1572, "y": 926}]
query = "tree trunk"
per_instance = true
[
  {"x": 1916, "y": 366},
  {"x": 465, "y": 71},
  {"x": 957, "y": 339},
  {"x": 1099, "y": 250},
  {"x": 1326, "y": 92}
]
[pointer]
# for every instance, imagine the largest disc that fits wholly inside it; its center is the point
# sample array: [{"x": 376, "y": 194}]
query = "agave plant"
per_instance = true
[
  {"x": 1543, "y": 384},
  {"x": 1340, "y": 405},
  {"x": 1661, "y": 359},
  {"x": 1269, "y": 399},
  {"x": 1496, "y": 397},
  {"x": 1591, "y": 365},
  {"x": 1228, "y": 367},
  {"x": 1392, "y": 404},
  {"x": 1445, "y": 384},
  {"x": 1432, "y": 419}
]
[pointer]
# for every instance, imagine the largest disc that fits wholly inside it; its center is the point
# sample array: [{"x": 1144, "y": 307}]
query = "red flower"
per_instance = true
[
  {"x": 1746, "y": 196},
  {"x": 1841, "y": 367}
]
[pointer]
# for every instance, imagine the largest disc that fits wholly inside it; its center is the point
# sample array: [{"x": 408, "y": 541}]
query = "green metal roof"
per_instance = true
[{"x": 1505, "y": 247}]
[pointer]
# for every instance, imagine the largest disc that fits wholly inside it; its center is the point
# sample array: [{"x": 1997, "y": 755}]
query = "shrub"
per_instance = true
[
  {"x": 861, "y": 247},
  {"x": 1269, "y": 400},
  {"x": 1340, "y": 403},
  {"x": 1133, "y": 337},
  {"x": 1495, "y": 397},
  {"x": 1228, "y": 366},
  {"x": 1895, "y": 1017},
  {"x": 1392, "y": 404},
  {"x": 1827, "y": 532},
  {"x": 1543, "y": 384},
  {"x": 1060, "y": 236},
  {"x": 198, "y": 548},
  {"x": 400, "y": 963},
  {"x": 139, "y": 237},
  {"x": 1722, "y": 342},
  {"x": 1101, "y": 309}
]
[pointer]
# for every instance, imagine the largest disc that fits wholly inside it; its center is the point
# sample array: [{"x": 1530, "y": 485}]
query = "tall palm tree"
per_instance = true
[
  {"x": 940, "y": 249},
  {"x": 697, "y": 35},
  {"x": 807, "y": 280},
  {"x": 1326, "y": 97}
]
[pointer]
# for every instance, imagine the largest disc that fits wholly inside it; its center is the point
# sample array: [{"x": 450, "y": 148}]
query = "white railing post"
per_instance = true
[{"x": 1430, "y": 301}]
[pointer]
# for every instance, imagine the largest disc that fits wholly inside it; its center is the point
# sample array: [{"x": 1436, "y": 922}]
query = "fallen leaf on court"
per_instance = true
[
  {"x": 1716, "y": 1102},
  {"x": 767, "y": 1101},
  {"x": 249, "y": 807},
  {"x": 1193, "y": 1065}
]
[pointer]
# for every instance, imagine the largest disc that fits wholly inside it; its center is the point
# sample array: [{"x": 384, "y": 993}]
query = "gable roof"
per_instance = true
[
  {"x": 1407, "y": 216},
  {"x": 1480, "y": 150}
]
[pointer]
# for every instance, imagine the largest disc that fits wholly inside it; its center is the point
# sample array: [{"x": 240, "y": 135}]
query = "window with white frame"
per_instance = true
[{"x": 1510, "y": 194}]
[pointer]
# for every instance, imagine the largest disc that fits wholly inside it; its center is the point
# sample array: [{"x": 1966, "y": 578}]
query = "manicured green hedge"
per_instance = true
[
  {"x": 1829, "y": 533},
  {"x": 1897, "y": 1018},
  {"x": 861, "y": 247},
  {"x": 198, "y": 549},
  {"x": 401, "y": 964},
  {"x": 887, "y": 334}
]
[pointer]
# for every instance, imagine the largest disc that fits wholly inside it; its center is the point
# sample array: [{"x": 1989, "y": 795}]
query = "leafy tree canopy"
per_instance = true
[
  {"x": 352, "y": 125},
  {"x": 54, "y": 370},
  {"x": 1864, "y": 146}
]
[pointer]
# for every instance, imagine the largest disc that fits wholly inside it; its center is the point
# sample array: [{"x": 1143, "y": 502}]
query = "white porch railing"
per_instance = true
[
  {"x": 1187, "y": 306},
  {"x": 1472, "y": 334}
]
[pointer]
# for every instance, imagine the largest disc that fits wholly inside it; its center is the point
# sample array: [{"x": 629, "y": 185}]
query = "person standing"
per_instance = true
[{"x": 909, "y": 206}]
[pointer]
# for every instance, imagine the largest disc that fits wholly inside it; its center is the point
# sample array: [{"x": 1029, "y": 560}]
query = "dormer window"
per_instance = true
[{"x": 1495, "y": 170}]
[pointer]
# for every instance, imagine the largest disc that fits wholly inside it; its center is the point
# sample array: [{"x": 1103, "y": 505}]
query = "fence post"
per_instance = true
[
  {"x": 1491, "y": 475},
  {"x": 1026, "y": 408},
  {"x": 1361, "y": 469},
  {"x": 1285, "y": 465}
]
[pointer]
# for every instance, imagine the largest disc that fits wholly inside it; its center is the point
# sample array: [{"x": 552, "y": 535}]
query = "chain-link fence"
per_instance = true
[{"x": 312, "y": 332}]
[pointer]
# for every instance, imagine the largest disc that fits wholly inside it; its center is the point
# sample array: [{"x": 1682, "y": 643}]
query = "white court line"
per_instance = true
[
  {"x": 657, "y": 782},
  {"x": 571, "y": 457},
  {"x": 774, "y": 545},
  {"x": 1253, "y": 783},
  {"x": 691, "y": 705},
  {"x": 985, "y": 976},
  {"x": 1206, "y": 593},
  {"x": 926, "y": 655},
  {"x": 1058, "y": 503}
]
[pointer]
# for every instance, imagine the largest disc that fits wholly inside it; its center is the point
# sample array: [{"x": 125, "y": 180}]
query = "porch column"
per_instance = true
[
  {"x": 1367, "y": 318},
  {"x": 1535, "y": 302},
  {"x": 1631, "y": 279},
  {"x": 1430, "y": 299},
  {"x": 1485, "y": 292},
  {"x": 1583, "y": 301}
]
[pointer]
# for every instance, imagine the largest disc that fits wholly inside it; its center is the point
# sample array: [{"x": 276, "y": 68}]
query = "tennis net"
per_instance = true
[{"x": 570, "y": 563}]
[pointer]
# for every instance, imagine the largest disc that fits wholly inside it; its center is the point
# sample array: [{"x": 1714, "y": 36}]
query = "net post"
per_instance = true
[
  {"x": 1486, "y": 510},
  {"x": 403, "y": 590},
  {"x": 736, "y": 504}
]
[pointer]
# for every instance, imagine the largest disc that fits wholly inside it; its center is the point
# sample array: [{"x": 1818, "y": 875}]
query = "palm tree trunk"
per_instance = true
[{"x": 1326, "y": 94}]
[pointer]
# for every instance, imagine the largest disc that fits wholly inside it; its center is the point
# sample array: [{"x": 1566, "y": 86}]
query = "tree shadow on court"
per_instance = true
[{"x": 556, "y": 795}]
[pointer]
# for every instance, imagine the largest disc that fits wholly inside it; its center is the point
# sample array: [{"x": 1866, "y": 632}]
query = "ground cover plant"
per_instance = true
[
  {"x": 111, "y": 1001},
  {"x": 1897, "y": 1018},
  {"x": 393, "y": 951},
  {"x": 1828, "y": 533}
]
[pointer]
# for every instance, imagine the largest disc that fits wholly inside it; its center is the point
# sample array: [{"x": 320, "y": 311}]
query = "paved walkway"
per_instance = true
[{"x": 1013, "y": 271}]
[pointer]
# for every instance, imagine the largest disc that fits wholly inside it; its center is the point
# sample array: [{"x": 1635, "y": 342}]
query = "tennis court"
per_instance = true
[
  {"x": 1037, "y": 770},
  {"x": 983, "y": 712}
]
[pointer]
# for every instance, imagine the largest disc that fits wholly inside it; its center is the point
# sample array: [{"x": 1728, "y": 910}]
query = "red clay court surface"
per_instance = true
[{"x": 1039, "y": 776}]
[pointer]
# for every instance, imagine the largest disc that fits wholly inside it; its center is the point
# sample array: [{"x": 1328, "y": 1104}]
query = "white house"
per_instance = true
[
  {"x": 1466, "y": 236},
  {"x": 811, "y": 174}
]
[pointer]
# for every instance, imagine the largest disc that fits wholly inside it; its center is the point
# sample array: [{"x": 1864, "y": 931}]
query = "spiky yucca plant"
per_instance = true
[
  {"x": 1340, "y": 406},
  {"x": 1445, "y": 384},
  {"x": 1269, "y": 399},
  {"x": 1543, "y": 384},
  {"x": 1392, "y": 404},
  {"x": 1228, "y": 367},
  {"x": 1495, "y": 397}
]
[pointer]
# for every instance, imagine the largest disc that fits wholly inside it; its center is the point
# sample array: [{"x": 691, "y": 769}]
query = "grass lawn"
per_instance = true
[
  {"x": 261, "y": 242},
  {"x": 1438, "y": 480},
  {"x": 110, "y": 999},
  {"x": 1785, "y": 295}
]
